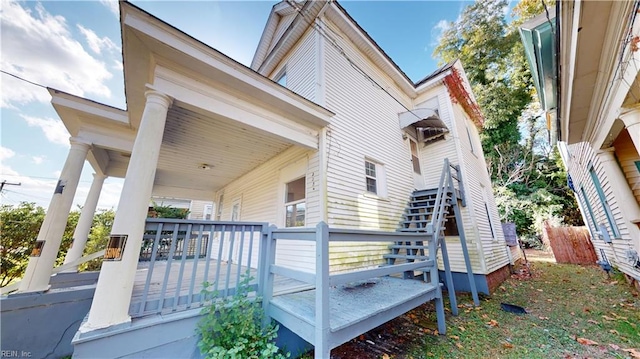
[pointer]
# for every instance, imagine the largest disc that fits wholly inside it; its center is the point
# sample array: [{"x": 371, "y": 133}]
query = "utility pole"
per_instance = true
[{"x": 4, "y": 182}]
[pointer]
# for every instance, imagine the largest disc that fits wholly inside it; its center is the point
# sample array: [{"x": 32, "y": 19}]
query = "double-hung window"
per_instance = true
[
  {"x": 295, "y": 203},
  {"x": 371, "y": 177},
  {"x": 375, "y": 179}
]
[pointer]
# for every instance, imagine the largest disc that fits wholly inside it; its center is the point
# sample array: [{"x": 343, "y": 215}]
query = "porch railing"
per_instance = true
[{"x": 176, "y": 252}]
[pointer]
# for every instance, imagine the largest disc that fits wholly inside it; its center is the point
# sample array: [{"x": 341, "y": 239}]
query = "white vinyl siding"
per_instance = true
[
  {"x": 365, "y": 126},
  {"x": 580, "y": 156},
  {"x": 300, "y": 67},
  {"x": 261, "y": 192}
]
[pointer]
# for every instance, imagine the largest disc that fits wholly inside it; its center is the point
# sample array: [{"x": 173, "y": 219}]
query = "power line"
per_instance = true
[
  {"x": 333, "y": 42},
  {"x": 23, "y": 79}
]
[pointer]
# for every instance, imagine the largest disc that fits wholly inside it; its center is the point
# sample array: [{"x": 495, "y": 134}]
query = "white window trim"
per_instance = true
[
  {"x": 291, "y": 172},
  {"x": 381, "y": 179}
]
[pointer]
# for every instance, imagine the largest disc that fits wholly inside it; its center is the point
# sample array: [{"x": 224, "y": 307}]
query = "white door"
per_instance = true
[{"x": 418, "y": 179}]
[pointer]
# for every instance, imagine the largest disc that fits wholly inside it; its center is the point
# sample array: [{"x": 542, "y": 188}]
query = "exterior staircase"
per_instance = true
[{"x": 428, "y": 212}]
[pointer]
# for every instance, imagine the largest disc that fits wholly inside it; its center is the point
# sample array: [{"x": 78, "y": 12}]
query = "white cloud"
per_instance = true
[
  {"x": 53, "y": 129},
  {"x": 112, "y": 5},
  {"x": 117, "y": 65},
  {"x": 39, "y": 47},
  {"x": 6, "y": 153},
  {"x": 96, "y": 43},
  {"x": 438, "y": 30},
  {"x": 38, "y": 159}
]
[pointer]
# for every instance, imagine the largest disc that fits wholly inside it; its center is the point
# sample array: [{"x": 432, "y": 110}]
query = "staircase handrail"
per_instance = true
[{"x": 439, "y": 205}]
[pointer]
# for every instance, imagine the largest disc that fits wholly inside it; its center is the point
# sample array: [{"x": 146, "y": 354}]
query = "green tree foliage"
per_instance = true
[
  {"x": 528, "y": 177},
  {"x": 98, "y": 238},
  {"x": 162, "y": 211},
  {"x": 20, "y": 226}
]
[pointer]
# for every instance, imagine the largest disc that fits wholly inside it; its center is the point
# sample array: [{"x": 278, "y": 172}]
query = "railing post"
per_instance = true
[
  {"x": 268, "y": 258},
  {"x": 323, "y": 329},
  {"x": 463, "y": 197}
]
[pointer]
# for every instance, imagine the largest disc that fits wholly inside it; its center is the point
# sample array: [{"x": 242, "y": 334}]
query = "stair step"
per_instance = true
[
  {"x": 413, "y": 230},
  {"x": 405, "y": 246},
  {"x": 405, "y": 256}
]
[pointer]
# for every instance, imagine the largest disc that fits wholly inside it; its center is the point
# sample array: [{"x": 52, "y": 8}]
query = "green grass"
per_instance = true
[{"x": 565, "y": 303}]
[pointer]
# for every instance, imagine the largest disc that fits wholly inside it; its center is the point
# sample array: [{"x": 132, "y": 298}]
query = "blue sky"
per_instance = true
[{"x": 75, "y": 46}]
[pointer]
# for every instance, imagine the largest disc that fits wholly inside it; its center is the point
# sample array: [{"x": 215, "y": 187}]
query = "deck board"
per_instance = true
[{"x": 352, "y": 305}]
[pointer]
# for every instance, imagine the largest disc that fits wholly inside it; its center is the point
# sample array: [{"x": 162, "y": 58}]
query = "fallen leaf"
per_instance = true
[
  {"x": 493, "y": 323},
  {"x": 386, "y": 356},
  {"x": 585, "y": 341},
  {"x": 435, "y": 332},
  {"x": 592, "y": 321},
  {"x": 507, "y": 345},
  {"x": 549, "y": 300},
  {"x": 544, "y": 318},
  {"x": 454, "y": 337},
  {"x": 572, "y": 313},
  {"x": 361, "y": 337},
  {"x": 462, "y": 329},
  {"x": 586, "y": 310},
  {"x": 484, "y": 316},
  {"x": 633, "y": 352},
  {"x": 614, "y": 347},
  {"x": 459, "y": 345},
  {"x": 613, "y": 331},
  {"x": 539, "y": 290},
  {"x": 608, "y": 318},
  {"x": 614, "y": 282}
]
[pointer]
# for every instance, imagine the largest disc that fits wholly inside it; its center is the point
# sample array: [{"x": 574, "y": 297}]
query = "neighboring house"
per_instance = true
[
  {"x": 591, "y": 92},
  {"x": 324, "y": 126}
]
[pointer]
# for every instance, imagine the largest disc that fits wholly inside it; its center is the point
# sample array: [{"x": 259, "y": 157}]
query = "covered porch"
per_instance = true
[{"x": 196, "y": 121}]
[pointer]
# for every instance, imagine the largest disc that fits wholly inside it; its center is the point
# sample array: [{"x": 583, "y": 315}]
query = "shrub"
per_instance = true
[{"x": 232, "y": 327}]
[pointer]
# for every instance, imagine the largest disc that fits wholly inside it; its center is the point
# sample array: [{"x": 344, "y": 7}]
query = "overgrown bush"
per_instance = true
[{"x": 232, "y": 327}]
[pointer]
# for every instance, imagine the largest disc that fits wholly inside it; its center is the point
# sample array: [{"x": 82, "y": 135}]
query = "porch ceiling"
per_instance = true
[{"x": 225, "y": 148}]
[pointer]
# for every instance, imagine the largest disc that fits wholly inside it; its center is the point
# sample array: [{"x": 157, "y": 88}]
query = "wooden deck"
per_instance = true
[
  {"x": 354, "y": 308},
  {"x": 180, "y": 294}
]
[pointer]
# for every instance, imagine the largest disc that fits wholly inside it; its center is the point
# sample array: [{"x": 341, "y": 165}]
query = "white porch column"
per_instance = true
[
  {"x": 84, "y": 223},
  {"x": 113, "y": 292},
  {"x": 631, "y": 121},
  {"x": 39, "y": 269},
  {"x": 620, "y": 188}
]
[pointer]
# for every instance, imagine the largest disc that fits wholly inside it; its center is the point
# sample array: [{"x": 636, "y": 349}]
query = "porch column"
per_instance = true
[
  {"x": 631, "y": 121},
  {"x": 84, "y": 223},
  {"x": 113, "y": 292},
  {"x": 39, "y": 269},
  {"x": 621, "y": 191}
]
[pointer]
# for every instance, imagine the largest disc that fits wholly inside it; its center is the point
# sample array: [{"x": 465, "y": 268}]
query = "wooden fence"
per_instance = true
[{"x": 569, "y": 244}]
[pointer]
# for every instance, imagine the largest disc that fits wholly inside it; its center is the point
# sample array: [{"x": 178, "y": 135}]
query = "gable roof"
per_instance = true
[{"x": 265, "y": 62}]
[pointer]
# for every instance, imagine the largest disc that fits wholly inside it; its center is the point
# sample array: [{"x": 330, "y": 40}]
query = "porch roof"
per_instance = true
[{"x": 225, "y": 119}]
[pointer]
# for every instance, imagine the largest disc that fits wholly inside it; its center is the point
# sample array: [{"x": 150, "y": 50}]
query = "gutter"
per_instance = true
[{"x": 558, "y": 72}]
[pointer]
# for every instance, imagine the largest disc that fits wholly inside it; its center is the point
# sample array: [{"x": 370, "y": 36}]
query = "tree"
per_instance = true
[
  {"x": 98, "y": 238},
  {"x": 528, "y": 180},
  {"x": 20, "y": 226}
]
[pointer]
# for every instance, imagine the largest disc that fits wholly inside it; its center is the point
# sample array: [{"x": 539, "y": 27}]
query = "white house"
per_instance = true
[
  {"x": 591, "y": 90},
  {"x": 323, "y": 126}
]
